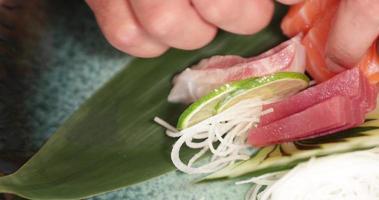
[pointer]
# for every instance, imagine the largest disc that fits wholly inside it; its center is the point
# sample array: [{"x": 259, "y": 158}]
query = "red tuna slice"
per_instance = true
[
  {"x": 355, "y": 118},
  {"x": 363, "y": 100},
  {"x": 328, "y": 115},
  {"x": 373, "y": 94},
  {"x": 370, "y": 94},
  {"x": 211, "y": 73},
  {"x": 349, "y": 84},
  {"x": 366, "y": 100}
]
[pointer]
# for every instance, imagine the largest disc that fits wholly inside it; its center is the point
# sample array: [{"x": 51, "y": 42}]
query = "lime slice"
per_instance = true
[
  {"x": 204, "y": 107},
  {"x": 278, "y": 86}
]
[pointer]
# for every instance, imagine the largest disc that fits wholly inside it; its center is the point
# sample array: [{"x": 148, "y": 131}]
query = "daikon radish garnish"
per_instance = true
[
  {"x": 346, "y": 176},
  {"x": 224, "y": 135},
  {"x": 220, "y": 121}
]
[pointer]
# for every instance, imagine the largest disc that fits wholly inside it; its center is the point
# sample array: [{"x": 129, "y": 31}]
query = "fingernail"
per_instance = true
[{"x": 332, "y": 66}]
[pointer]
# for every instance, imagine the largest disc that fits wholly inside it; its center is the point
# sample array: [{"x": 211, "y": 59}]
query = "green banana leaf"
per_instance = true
[{"x": 111, "y": 142}]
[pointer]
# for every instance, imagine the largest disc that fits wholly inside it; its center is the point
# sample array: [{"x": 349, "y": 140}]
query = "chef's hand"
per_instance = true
[
  {"x": 147, "y": 28},
  {"x": 355, "y": 28}
]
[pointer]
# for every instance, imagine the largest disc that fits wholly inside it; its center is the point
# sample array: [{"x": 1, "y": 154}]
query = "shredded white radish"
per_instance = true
[
  {"x": 224, "y": 135},
  {"x": 312, "y": 83},
  {"x": 349, "y": 176}
]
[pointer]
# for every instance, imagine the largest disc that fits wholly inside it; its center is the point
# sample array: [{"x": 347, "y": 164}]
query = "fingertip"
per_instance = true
[
  {"x": 267, "y": 8},
  {"x": 90, "y": 3},
  {"x": 130, "y": 39},
  {"x": 122, "y": 30},
  {"x": 239, "y": 16},
  {"x": 122, "y": 37},
  {"x": 148, "y": 54},
  {"x": 333, "y": 65},
  {"x": 354, "y": 30},
  {"x": 337, "y": 55},
  {"x": 290, "y": 2},
  {"x": 258, "y": 17},
  {"x": 203, "y": 40},
  {"x": 175, "y": 23},
  {"x": 166, "y": 25}
]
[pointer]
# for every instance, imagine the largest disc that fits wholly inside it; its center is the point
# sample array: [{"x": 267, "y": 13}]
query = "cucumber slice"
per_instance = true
[{"x": 287, "y": 155}]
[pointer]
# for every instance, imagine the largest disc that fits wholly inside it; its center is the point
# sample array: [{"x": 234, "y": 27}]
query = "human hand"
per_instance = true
[
  {"x": 147, "y": 28},
  {"x": 355, "y": 28}
]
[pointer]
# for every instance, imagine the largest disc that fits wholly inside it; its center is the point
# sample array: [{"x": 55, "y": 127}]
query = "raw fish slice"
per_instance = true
[
  {"x": 358, "y": 109},
  {"x": 370, "y": 103},
  {"x": 349, "y": 84},
  {"x": 191, "y": 84},
  {"x": 314, "y": 43},
  {"x": 219, "y": 62},
  {"x": 355, "y": 118},
  {"x": 302, "y": 16},
  {"x": 372, "y": 98},
  {"x": 232, "y": 60},
  {"x": 365, "y": 94},
  {"x": 328, "y": 115},
  {"x": 371, "y": 95},
  {"x": 313, "y": 18},
  {"x": 363, "y": 98},
  {"x": 370, "y": 64}
]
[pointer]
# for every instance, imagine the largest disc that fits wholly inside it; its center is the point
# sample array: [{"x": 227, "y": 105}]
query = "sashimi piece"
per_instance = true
[
  {"x": 353, "y": 123},
  {"x": 302, "y": 16},
  {"x": 371, "y": 94},
  {"x": 314, "y": 43},
  {"x": 372, "y": 98},
  {"x": 349, "y": 84},
  {"x": 354, "y": 118},
  {"x": 317, "y": 120},
  {"x": 364, "y": 102},
  {"x": 313, "y": 18},
  {"x": 232, "y": 60},
  {"x": 219, "y": 62},
  {"x": 193, "y": 83},
  {"x": 370, "y": 64},
  {"x": 366, "y": 94}
]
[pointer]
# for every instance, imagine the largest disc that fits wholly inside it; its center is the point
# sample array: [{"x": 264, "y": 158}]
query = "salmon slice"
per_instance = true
[
  {"x": 315, "y": 42},
  {"x": 369, "y": 64},
  {"x": 302, "y": 16},
  {"x": 313, "y": 18}
]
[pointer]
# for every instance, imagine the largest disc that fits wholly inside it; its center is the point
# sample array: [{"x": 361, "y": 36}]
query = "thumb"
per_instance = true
[{"x": 355, "y": 28}]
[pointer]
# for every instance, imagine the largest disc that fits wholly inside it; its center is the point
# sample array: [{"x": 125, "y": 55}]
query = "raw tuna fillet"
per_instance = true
[
  {"x": 211, "y": 73},
  {"x": 351, "y": 83},
  {"x": 372, "y": 98},
  {"x": 317, "y": 120}
]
